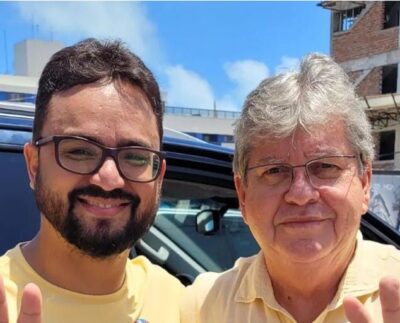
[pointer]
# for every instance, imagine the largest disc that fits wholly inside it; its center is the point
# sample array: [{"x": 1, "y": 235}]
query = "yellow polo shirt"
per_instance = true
[
  {"x": 244, "y": 293},
  {"x": 148, "y": 295}
]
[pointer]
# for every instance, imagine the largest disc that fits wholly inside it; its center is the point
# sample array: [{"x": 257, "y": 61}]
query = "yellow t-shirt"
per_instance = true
[
  {"x": 244, "y": 293},
  {"x": 148, "y": 295}
]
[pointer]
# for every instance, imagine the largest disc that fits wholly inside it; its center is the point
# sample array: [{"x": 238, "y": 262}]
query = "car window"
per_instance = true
[
  {"x": 14, "y": 137},
  {"x": 179, "y": 207},
  {"x": 19, "y": 220},
  {"x": 385, "y": 197}
]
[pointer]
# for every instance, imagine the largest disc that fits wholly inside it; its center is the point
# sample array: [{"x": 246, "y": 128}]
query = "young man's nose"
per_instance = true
[{"x": 108, "y": 176}]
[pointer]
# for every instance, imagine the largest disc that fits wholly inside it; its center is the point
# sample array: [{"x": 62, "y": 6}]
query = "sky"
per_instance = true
[{"x": 202, "y": 53}]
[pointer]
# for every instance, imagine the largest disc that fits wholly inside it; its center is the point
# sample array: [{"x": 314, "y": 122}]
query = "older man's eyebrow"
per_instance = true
[
  {"x": 269, "y": 160},
  {"x": 329, "y": 151}
]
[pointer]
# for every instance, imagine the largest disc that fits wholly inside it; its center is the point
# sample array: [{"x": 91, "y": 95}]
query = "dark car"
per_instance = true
[{"x": 198, "y": 226}]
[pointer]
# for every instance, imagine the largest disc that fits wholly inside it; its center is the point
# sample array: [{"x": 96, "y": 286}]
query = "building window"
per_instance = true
[
  {"x": 343, "y": 20},
  {"x": 389, "y": 78},
  {"x": 211, "y": 138},
  {"x": 391, "y": 14},
  {"x": 386, "y": 145},
  {"x": 226, "y": 139}
]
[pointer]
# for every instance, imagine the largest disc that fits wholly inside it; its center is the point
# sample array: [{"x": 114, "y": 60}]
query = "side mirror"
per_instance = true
[{"x": 207, "y": 221}]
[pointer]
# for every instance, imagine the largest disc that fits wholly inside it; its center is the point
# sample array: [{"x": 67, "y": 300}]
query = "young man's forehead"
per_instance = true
[
  {"x": 122, "y": 142},
  {"x": 104, "y": 115}
]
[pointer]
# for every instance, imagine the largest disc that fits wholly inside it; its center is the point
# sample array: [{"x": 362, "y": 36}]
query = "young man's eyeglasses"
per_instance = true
[
  {"x": 83, "y": 156},
  {"x": 323, "y": 171}
]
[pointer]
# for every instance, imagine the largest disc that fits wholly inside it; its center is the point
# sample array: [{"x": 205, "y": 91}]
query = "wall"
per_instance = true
[
  {"x": 31, "y": 56},
  {"x": 366, "y": 37},
  {"x": 199, "y": 124},
  {"x": 371, "y": 84}
]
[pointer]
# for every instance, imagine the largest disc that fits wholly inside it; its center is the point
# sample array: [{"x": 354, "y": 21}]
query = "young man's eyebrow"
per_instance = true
[{"x": 122, "y": 143}]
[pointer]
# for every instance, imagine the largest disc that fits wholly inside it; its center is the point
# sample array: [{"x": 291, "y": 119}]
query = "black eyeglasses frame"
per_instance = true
[{"x": 106, "y": 152}]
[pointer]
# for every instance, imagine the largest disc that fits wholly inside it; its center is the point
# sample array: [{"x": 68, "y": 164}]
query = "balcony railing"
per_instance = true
[{"x": 204, "y": 113}]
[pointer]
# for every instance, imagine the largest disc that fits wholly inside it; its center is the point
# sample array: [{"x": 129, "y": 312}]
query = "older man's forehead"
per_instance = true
[{"x": 317, "y": 142}]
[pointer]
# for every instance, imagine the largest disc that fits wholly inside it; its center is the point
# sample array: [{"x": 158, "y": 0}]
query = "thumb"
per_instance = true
[{"x": 31, "y": 305}]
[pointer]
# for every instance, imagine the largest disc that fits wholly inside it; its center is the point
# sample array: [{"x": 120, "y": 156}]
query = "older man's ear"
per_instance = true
[
  {"x": 366, "y": 183},
  {"x": 240, "y": 186}
]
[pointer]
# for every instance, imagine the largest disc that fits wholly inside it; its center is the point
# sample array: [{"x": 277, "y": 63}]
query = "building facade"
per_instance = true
[{"x": 365, "y": 41}]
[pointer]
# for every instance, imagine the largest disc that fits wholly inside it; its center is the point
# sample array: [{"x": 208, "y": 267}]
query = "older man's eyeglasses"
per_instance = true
[
  {"x": 83, "y": 156},
  {"x": 323, "y": 171}
]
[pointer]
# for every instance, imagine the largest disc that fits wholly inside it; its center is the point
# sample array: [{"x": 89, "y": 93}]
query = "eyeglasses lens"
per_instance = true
[
  {"x": 139, "y": 165},
  {"x": 83, "y": 157},
  {"x": 328, "y": 171},
  {"x": 78, "y": 155}
]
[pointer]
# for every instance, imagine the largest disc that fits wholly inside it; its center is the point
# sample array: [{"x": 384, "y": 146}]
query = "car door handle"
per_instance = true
[{"x": 161, "y": 255}]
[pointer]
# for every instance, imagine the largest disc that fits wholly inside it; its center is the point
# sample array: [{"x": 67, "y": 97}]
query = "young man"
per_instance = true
[
  {"x": 302, "y": 169},
  {"x": 96, "y": 169}
]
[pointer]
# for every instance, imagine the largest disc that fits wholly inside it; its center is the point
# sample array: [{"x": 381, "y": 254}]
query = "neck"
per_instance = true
[
  {"x": 61, "y": 264},
  {"x": 305, "y": 290}
]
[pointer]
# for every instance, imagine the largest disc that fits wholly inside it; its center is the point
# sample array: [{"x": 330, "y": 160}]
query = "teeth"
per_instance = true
[{"x": 104, "y": 206}]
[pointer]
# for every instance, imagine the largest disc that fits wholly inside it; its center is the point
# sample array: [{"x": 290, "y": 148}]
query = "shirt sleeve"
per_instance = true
[{"x": 194, "y": 296}]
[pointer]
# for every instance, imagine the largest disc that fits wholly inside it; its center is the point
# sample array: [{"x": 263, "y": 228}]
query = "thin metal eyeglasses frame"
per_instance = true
[
  {"x": 106, "y": 152},
  {"x": 298, "y": 166}
]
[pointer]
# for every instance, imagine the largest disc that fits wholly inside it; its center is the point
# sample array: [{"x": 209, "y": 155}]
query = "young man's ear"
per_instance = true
[
  {"x": 241, "y": 193},
  {"x": 163, "y": 169},
  {"x": 162, "y": 174},
  {"x": 31, "y": 155}
]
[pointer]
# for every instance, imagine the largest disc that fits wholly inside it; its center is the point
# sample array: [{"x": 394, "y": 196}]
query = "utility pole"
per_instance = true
[
  {"x": 5, "y": 51},
  {"x": 215, "y": 109}
]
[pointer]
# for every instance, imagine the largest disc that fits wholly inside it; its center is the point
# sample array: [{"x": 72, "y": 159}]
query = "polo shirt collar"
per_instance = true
[
  {"x": 360, "y": 278},
  {"x": 256, "y": 283}
]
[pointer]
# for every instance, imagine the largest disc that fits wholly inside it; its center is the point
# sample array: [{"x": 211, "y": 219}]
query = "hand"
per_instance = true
[
  {"x": 31, "y": 305},
  {"x": 389, "y": 293}
]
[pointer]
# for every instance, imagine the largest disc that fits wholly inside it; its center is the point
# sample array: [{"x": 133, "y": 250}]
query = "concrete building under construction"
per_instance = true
[{"x": 365, "y": 41}]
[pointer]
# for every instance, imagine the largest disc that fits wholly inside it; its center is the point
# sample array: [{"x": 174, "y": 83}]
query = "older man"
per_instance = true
[
  {"x": 96, "y": 169},
  {"x": 302, "y": 173}
]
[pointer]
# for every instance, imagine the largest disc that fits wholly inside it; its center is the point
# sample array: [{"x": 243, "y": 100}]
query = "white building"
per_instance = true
[{"x": 214, "y": 126}]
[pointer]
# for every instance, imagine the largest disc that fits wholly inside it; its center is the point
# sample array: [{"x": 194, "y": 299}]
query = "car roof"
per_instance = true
[{"x": 20, "y": 117}]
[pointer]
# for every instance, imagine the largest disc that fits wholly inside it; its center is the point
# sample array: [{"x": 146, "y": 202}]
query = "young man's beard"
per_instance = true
[{"x": 102, "y": 242}]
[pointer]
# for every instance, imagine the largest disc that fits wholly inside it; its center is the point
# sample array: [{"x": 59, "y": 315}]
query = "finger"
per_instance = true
[
  {"x": 31, "y": 305},
  {"x": 3, "y": 303},
  {"x": 389, "y": 290},
  {"x": 355, "y": 311}
]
